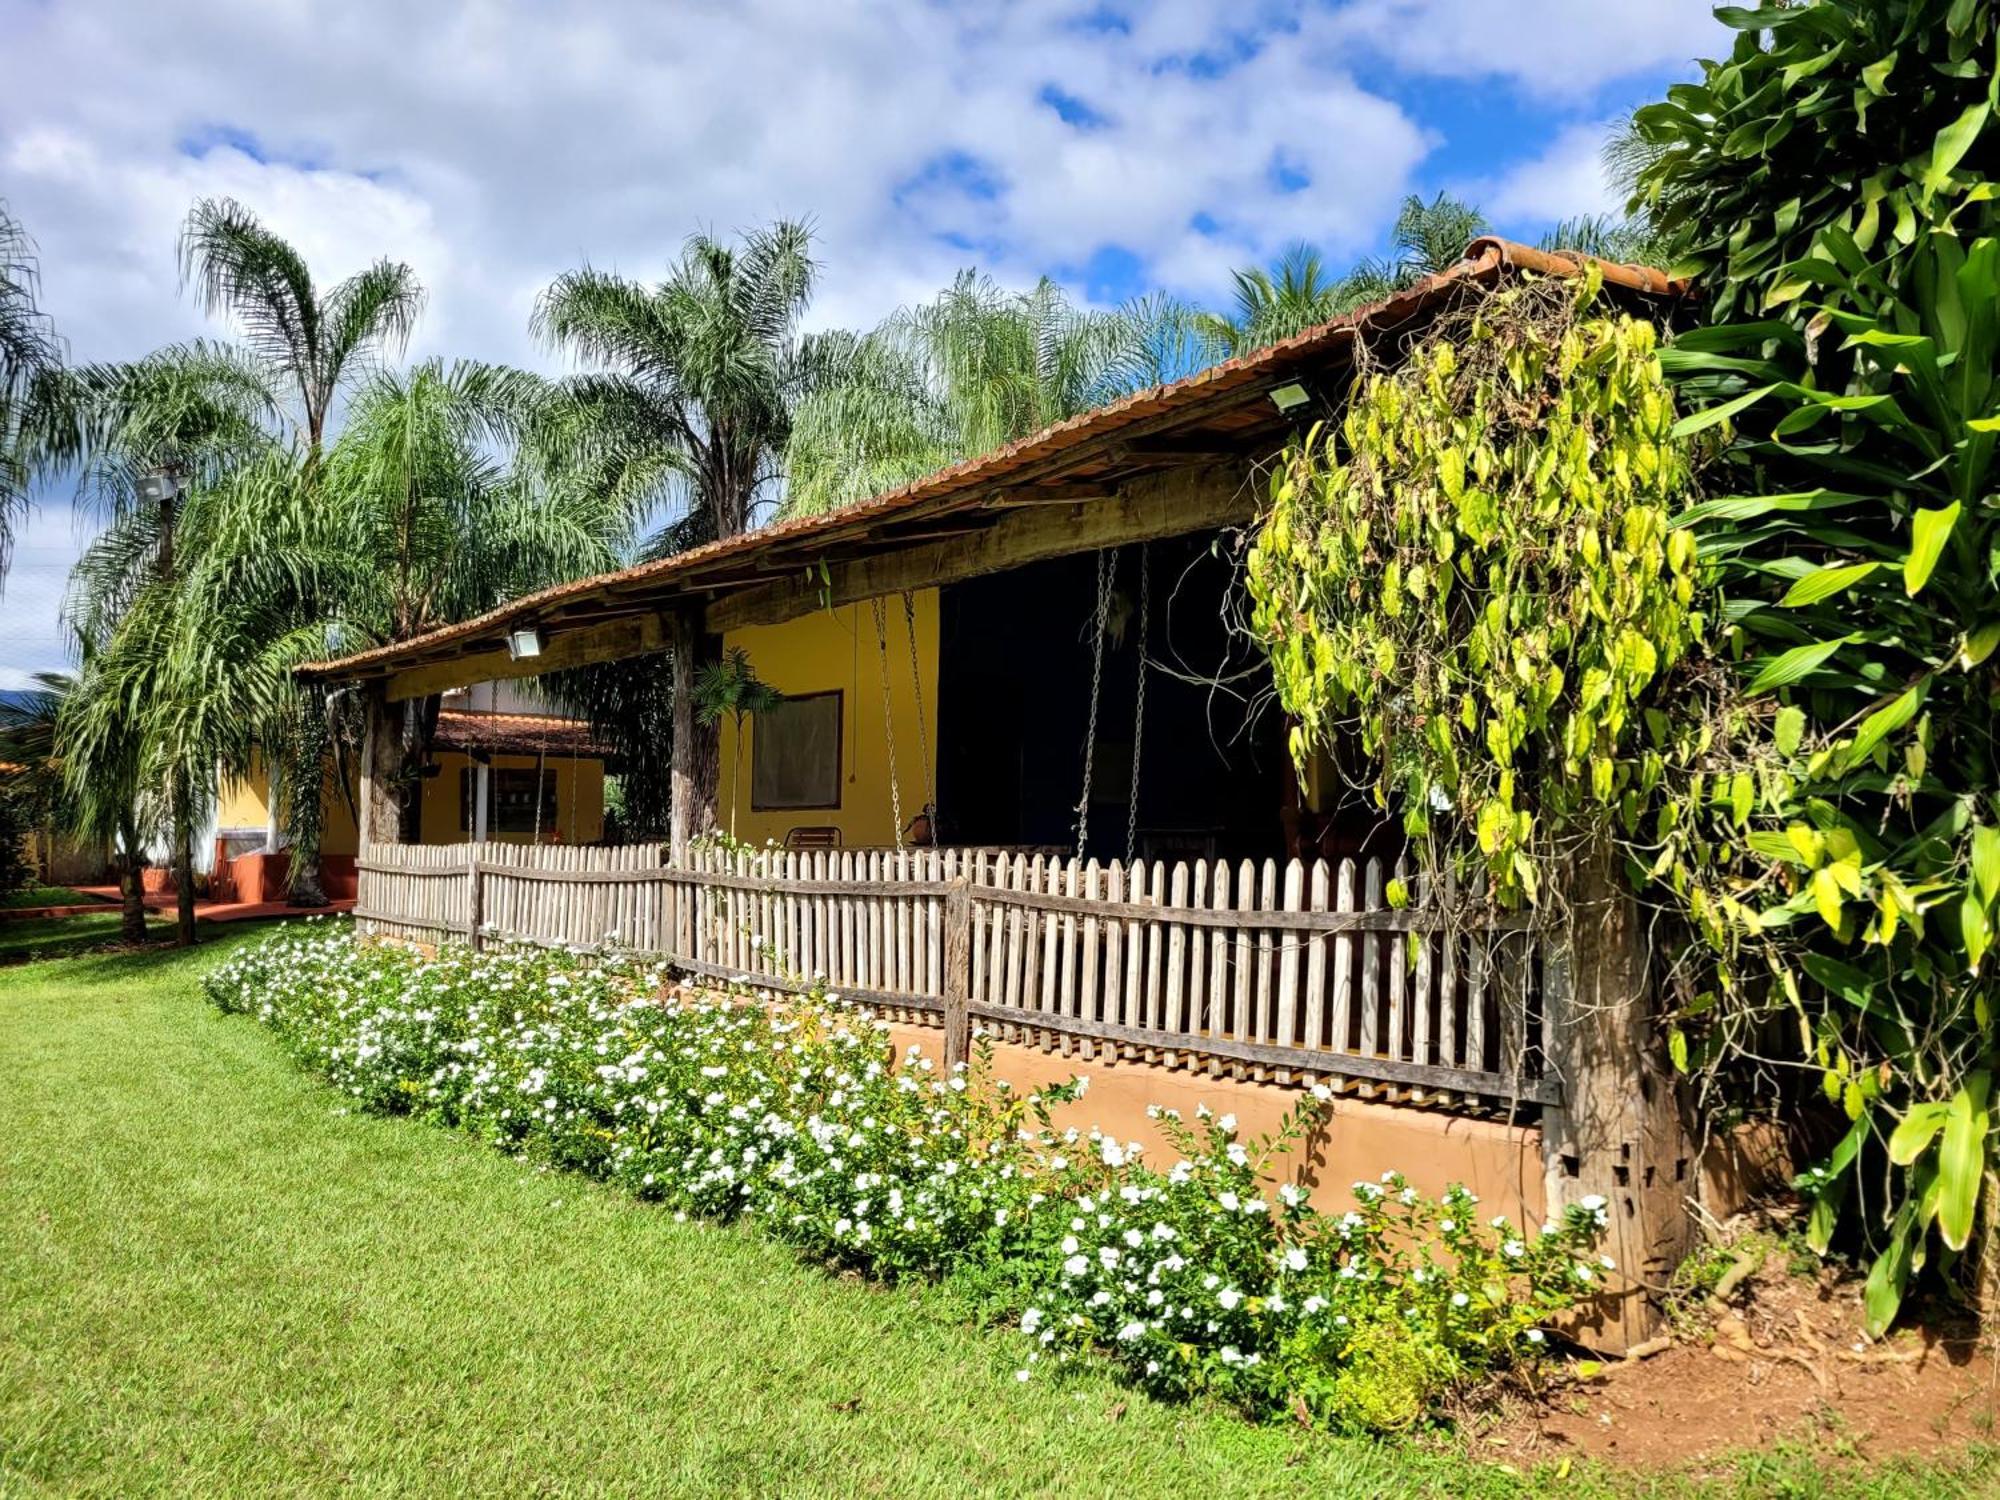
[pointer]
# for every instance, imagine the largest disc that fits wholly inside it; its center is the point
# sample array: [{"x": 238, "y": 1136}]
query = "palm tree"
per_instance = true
[
  {"x": 149, "y": 441},
  {"x": 29, "y": 352},
  {"x": 309, "y": 343},
  {"x": 1294, "y": 294},
  {"x": 974, "y": 368},
  {"x": 731, "y": 687},
  {"x": 96, "y": 799},
  {"x": 700, "y": 370}
]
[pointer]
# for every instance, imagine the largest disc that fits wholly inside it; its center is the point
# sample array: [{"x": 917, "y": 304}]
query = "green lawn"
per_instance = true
[
  {"x": 44, "y": 895},
  {"x": 215, "y": 1279}
]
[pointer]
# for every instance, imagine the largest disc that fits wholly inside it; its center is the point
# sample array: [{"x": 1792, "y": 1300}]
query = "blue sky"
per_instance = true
[{"x": 1118, "y": 145}]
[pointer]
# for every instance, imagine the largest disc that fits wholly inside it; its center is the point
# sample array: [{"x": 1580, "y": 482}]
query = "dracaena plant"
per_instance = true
[{"x": 1830, "y": 179}]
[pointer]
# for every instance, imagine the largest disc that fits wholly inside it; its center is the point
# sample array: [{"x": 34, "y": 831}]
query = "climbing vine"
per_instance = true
[{"x": 1475, "y": 579}]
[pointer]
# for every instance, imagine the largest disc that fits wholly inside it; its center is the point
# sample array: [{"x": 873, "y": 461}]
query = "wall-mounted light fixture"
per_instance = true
[
  {"x": 523, "y": 643},
  {"x": 157, "y": 486},
  {"x": 1289, "y": 398}
]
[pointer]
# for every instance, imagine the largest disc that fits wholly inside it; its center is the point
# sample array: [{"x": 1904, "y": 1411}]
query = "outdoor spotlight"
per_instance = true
[
  {"x": 527, "y": 641},
  {"x": 158, "y": 486},
  {"x": 1289, "y": 398}
]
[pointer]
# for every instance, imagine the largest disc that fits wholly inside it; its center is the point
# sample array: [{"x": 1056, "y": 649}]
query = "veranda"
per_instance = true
[{"x": 1269, "y": 939}]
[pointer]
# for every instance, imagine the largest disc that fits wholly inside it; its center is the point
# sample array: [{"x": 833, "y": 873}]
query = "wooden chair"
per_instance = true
[{"x": 813, "y": 836}]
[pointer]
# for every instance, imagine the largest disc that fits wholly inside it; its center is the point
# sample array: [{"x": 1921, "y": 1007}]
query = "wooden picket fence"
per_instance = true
[{"x": 1290, "y": 972}]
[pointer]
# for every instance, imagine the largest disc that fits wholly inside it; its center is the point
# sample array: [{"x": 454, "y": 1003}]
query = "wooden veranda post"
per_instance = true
[
  {"x": 475, "y": 899},
  {"x": 1619, "y": 1133},
  {"x": 382, "y": 762},
  {"x": 696, "y": 763},
  {"x": 958, "y": 972}
]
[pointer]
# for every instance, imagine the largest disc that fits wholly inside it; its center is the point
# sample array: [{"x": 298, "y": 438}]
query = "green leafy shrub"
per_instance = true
[
  {"x": 1202, "y": 1279},
  {"x": 1832, "y": 179}
]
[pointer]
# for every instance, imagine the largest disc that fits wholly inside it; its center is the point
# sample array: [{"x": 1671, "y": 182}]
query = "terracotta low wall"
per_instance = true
[
  {"x": 1358, "y": 1141},
  {"x": 256, "y": 878}
]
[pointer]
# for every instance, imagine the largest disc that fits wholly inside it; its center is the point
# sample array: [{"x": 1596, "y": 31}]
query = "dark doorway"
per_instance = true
[{"x": 1015, "y": 665}]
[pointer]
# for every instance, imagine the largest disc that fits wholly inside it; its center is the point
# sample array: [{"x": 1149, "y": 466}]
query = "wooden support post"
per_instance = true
[
  {"x": 696, "y": 763},
  {"x": 475, "y": 900},
  {"x": 958, "y": 972},
  {"x": 1619, "y": 1134},
  {"x": 382, "y": 759}
]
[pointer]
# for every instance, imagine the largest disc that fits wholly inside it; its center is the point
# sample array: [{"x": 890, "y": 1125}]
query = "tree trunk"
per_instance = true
[
  {"x": 305, "y": 782},
  {"x": 183, "y": 822},
  {"x": 697, "y": 748},
  {"x": 1619, "y": 1134},
  {"x": 382, "y": 764},
  {"x": 132, "y": 884}
]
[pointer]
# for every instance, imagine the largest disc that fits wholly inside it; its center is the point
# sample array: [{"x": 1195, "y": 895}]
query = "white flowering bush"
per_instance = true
[{"x": 1203, "y": 1278}]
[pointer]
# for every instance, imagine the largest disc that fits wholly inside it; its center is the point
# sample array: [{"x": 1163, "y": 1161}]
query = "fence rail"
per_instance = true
[{"x": 1293, "y": 972}]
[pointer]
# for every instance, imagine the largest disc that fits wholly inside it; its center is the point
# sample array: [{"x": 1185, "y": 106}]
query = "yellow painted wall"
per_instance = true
[
  {"x": 245, "y": 803},
  {"x": 579, "y": 804},
  {"x": 579, "y": 800},
  {"x": 832, "y": 650}
]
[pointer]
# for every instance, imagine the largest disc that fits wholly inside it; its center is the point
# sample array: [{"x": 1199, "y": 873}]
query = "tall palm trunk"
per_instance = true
[
  {"x": 132, "y": 882},
  {"x": 305, "y": 805},
  {"x": 183, "y": 832}
]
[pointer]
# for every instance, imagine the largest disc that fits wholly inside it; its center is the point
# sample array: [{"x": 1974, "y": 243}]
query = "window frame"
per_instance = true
[{"x": 839, "y": 697}]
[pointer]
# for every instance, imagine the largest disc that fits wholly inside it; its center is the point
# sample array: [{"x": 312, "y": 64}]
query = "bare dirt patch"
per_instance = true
[{"x": 1783, "y": 1359}]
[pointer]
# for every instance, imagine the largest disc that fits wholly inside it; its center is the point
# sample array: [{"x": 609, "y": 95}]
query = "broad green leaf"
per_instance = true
[
  {"x": 1986, "y": 862},
  {"x": 1708, "y": 417},
  {"x": 1826, "y": 582},
  {"x": 1788, "y": 729},
  {"x": 1952, "y": 143},
  {"x": 1962, "y": 1161},
  {"x": 1929, "y": 531},
  {"x": 1883, "y": 1294},
  {"x": 1912, "y": 1137},
  {"x": 1748, "y": 507},
  {"x": 1886, "y": 721},
  {"x": 1800, "y": 661}
]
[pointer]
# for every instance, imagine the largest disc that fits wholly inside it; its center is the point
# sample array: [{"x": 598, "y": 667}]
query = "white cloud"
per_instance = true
[
  {"x": 1556, "y": 48},
  {"x": 493, "y": 143},
  {"x": 1566, "y": 180}
]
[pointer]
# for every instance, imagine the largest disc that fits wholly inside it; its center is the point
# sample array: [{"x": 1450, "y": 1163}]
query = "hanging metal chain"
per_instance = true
[
  {"x": 1139, "y": 709},
  {"x": 888, "y": 723},
  {"x": 923, "y": 729},
  {"x": 1107, "y": 573}
]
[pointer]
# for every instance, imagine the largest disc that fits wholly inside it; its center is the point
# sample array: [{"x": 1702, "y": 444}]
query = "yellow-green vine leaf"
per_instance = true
[{"x": 1962, "y": 1161}]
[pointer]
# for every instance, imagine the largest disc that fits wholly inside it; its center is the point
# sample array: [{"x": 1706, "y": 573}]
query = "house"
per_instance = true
[
  {"x": 501, "y": 767},
  {"x": 1026, "y": 775}
]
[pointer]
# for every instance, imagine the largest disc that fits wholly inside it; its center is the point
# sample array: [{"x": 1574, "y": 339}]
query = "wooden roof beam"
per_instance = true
[
  {"x": 1162, "y": 505},
  {"x": 611, "y": 641}
]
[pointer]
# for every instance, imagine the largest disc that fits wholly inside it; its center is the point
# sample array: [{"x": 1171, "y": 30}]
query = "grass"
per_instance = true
[
  {"x": 24, "y": 938},
  {"x": 44, "y": 895},
  {"x": 215, "y": 1279}
]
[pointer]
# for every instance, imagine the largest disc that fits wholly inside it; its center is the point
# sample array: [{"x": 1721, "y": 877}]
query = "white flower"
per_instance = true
[
  {"x": 1227, "y": 1124},
  {"x": 1459, "y": 1299},
  {"x": 1228, "y": 1201},
  {"x": 1069, "y": 1244},
  {"x": 1021, "y": 1375},
  {"x": 1131, "y": 1331},
  {"x": 1229, "y": 1297},
  {"x": 1295, "y": 1259},
  {"x": 1535, "y": 1335},
  {"x": 1076, "y": 1265},
  {"x": 1593, "y": 1202}
]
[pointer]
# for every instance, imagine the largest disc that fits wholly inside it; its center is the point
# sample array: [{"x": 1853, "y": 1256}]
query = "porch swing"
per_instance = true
[
  {"x": 921, "y": 830},
  {"x": 1107, "y": 577}
]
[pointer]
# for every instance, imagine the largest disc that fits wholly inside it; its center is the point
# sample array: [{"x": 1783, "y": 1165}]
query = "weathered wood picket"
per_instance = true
[{"x": 1292, "y": 973}]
